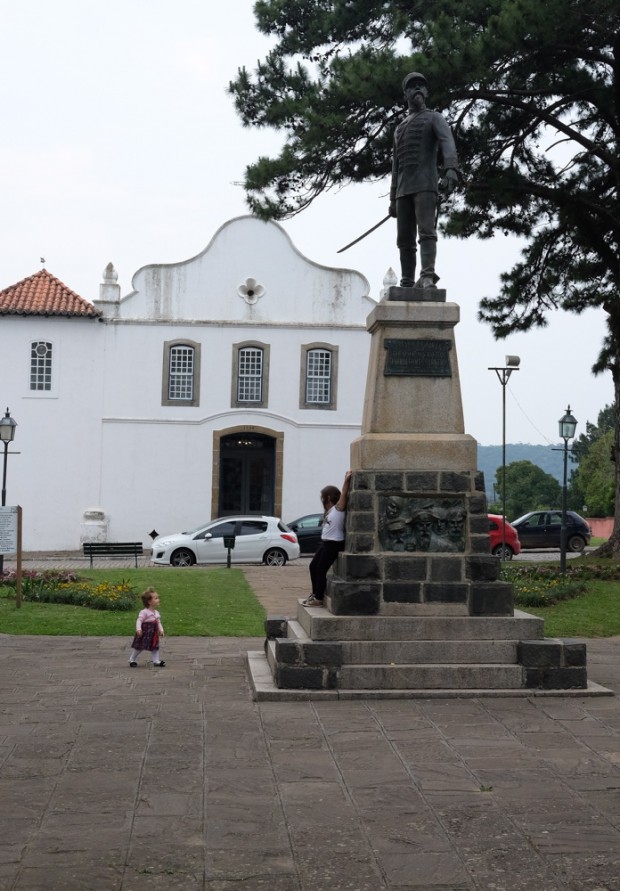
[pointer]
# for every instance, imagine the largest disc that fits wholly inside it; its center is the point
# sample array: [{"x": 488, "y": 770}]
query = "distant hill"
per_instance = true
[{"x": 552, "y": 462}]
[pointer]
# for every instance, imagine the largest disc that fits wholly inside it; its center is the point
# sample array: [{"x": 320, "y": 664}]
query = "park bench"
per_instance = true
[{"x": 113, "y": 549}]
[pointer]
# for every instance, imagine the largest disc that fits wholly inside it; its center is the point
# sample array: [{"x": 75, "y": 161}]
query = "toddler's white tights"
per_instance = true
[{"x": 136, "y": 653}]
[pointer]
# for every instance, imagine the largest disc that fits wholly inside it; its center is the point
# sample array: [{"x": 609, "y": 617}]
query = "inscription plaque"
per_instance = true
[
  {"x": 421, "y": 358},
  {"x": 8, "y": 530}
]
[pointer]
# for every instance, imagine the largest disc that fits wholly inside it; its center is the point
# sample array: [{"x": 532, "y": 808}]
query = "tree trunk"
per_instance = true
[{"x": 611, "y": 548}]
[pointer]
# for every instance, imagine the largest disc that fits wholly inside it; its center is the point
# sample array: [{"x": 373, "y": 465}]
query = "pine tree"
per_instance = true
[{"x": 532, "y": 91}]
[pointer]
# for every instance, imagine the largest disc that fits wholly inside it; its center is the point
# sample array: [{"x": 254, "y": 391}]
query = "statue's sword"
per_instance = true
[{"x": 359, "y": 238}]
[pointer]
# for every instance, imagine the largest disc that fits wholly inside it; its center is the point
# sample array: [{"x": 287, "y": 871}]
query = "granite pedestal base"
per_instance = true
[
  {"x": 418, "y": 544},
  {"x": 415, "y": 603},
  {"x": 394, "y": 657}
]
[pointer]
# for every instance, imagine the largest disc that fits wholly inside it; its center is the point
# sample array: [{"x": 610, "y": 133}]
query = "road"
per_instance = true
[{"x": 540, "y": 555}]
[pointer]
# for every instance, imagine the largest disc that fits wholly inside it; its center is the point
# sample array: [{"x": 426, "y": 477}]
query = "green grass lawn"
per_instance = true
[
  {"x": 596, "y": 612},
  {"x": 595, "y": 542},
  {"x": 218, "y": 602},
  {"x": 593, "y": 614},
  {"x": 200, "y": 602}
]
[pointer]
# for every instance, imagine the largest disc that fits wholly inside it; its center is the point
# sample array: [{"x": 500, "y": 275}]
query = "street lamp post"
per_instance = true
[
  {"x": 568, "y": 425},
  {"x": 503, "y": 374},
  {"x": 7, "y": 435}
]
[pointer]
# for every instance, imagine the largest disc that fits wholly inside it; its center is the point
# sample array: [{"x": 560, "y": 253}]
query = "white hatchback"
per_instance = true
[{"x": 251, "y": 540}]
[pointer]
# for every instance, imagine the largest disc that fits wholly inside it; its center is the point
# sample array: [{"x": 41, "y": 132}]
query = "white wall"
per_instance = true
[
  {"x": 103, "y": 439},
  {"x": 55, "y": 476}
]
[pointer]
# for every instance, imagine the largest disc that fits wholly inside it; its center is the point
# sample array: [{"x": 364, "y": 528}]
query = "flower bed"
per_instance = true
[
  {"x": 544, "y": 585},
  {"x": 58, "y": 586}
]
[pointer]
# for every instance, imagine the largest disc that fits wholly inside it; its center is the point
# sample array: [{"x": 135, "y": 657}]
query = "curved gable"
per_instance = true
[{"x": 249, "y": 271}]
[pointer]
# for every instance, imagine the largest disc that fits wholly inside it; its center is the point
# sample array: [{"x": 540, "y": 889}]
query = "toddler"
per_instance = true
[{"x": 148, "y": 630}]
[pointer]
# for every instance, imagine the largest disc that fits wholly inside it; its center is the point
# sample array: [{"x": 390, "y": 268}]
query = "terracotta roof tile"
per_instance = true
[{"x": 43, "y": 294}]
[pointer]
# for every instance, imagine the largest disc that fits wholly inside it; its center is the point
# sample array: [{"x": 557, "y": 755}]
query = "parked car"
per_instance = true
[
  {"x": 542, "y": 529},
  {"x": 308, "y": 530},
  {"x": 256, "y": 540},
  {"x": 510, "y": 538}
]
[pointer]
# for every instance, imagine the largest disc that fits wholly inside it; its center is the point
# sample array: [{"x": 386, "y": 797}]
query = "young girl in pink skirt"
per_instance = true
[{"x": 148, "y": 630}]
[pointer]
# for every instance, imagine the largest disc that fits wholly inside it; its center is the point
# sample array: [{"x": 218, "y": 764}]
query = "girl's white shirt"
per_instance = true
[{"x": 333, "y": 525}]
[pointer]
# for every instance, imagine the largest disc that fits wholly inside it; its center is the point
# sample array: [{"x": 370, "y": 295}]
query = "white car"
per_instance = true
[{"x": 253, "y": 539}]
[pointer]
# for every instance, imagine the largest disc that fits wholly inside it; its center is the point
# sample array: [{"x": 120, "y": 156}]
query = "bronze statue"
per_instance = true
[{"x": 418, "y": 140}]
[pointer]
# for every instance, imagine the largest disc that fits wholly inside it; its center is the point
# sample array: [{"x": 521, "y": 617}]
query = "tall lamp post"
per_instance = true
[
  {"x": 503, "y": 374},
  {"x": 568, "y": 425},
  {"x": 7, "y": 435}
]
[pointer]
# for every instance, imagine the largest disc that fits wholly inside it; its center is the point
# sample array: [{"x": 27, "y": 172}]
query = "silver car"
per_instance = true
[{"x": 250, "y": 540}]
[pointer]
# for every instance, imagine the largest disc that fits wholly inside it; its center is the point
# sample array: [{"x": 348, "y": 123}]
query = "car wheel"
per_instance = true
[
  {"x": 182, "y": 557},
  {"x": 274, "y": 557},
  {"x": 576, "y": 543},
  {"x": 508, "y": 552}
]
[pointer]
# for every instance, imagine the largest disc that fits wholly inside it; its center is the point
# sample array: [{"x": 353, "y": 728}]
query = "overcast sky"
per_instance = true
[{"x": 119, "y": 142}]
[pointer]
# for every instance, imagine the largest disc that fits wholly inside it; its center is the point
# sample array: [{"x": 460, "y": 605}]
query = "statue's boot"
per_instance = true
[
  {"x": 428, "y": 255},
  {"x": 407, "y": 267}
]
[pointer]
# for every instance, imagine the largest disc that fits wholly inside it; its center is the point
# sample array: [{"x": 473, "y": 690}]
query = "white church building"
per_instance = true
[{"x": 231, "y": 382}]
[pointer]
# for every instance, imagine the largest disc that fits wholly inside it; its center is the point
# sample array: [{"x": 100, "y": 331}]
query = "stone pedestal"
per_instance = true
[
  {"x": 417, "y": 527},
  {"x": 415, "y": 601},
  {"x": 413, "y": 414},
  {"x": 387, "y": 657},
  {"x": 418, "y": 544}
]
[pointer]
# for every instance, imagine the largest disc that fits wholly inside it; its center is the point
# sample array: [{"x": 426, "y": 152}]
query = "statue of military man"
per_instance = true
[{"x": 419, "y": 139}]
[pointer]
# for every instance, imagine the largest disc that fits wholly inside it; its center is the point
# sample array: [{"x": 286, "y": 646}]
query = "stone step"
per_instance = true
[
  {"x": 431, "y": 677},
  {"x": 419, "y": 651},
  {"x": 270, "y": 653},
  {"x": 420, "y": 676},
  {"x": 319, "y": 624},
  {"x": 295, "y": 630},
  {"x": 264, "y": 689}
]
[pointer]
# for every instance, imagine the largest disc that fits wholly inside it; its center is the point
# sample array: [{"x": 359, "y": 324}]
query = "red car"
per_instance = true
[{"x": 511, "y": 538}]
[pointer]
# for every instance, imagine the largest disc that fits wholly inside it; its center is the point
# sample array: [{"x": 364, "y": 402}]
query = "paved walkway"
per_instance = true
[{"x": 114, "y": 779}]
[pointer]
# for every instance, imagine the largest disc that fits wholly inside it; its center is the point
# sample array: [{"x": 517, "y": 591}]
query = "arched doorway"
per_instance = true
[{"x": 247, "y": 474}]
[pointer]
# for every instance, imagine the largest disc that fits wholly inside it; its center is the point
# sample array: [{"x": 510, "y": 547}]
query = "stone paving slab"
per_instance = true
[{"x": 122, "y": 780}]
